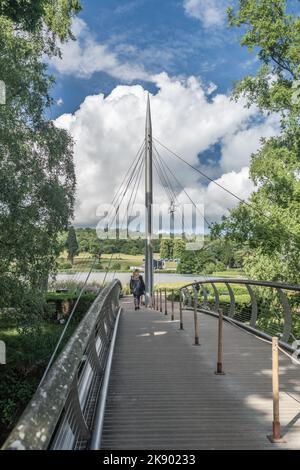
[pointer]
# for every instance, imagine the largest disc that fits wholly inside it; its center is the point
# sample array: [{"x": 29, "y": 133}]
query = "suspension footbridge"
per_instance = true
[{"x": 196, "y": 368}]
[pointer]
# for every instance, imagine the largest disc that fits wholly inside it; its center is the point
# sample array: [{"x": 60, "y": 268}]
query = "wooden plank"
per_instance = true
[{"x": 164, "y": 394}]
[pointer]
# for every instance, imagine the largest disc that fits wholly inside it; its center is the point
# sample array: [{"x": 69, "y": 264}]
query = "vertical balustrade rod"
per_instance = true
[
  {"x": 196, "y": 317},
  {"x": 166, "y": 302},
  {"x": 276, "y": 436},
  {"x": 180, "y": 310},
  {"x": 172, "y": 318},
  {"x": 219, "y": 370}
]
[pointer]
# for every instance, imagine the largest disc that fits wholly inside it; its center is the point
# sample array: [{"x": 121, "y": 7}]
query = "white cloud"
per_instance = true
[
  {"x": 85, "y": 56},
  {"x": 237, "y": 148},
  {"x": 108, "y": 132},
  {"x": 211, "y": 13}
]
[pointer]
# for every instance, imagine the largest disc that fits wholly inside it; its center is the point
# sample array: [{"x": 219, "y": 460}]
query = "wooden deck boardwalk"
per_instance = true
[{"x": 163, "y": 392}]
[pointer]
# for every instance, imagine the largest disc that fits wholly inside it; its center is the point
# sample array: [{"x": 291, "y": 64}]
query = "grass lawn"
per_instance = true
[{"x": 83, "y": 262}]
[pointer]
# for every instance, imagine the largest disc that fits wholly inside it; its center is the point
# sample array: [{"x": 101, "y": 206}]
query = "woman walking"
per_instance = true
[{"x": 137, "y": 288}]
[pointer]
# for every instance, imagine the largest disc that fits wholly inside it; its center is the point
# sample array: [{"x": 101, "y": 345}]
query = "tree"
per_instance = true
[
  {"x": 37, "y": 179},
  {"x": 179, "y": 248},
  {"x": 274, "y": 33},
  {"x": 32, "y": 15},
  {"x": 166, "y": 248},
  {"x": 196, "y": 262},
  {"x": 72, "y": 245},
  {"x": 270, "y": 222}
]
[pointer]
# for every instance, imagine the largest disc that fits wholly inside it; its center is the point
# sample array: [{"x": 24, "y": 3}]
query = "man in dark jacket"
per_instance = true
[{"x": 137, "y": 288}]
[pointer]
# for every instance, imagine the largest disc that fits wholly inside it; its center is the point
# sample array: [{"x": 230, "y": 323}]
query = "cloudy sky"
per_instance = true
[{"x": 182, "y": 52}]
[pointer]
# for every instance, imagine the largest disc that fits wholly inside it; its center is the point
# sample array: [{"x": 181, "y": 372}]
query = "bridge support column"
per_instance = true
[{"x": 148, "y": 204}]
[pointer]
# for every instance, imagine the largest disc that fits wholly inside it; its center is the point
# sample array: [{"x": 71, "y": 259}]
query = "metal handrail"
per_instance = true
[
  {"x": 251, "y": 282},
  {"x": 61, "y": 413},
  {"x": 281, "y": 327}
]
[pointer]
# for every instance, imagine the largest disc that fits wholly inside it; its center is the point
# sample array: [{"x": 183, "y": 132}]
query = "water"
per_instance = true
[{"x": 125, "y": 277}]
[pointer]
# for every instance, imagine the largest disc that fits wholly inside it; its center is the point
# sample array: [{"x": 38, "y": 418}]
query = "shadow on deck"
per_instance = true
[{"x": 163, "y": 392}]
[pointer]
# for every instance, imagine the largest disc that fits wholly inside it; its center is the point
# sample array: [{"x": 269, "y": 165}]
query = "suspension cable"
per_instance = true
[{"x": 183, "y": 189}]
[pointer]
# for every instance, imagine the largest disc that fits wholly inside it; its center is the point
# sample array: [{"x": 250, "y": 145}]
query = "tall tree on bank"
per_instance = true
[
  {"x": 72, "y": 245},
  {"x": 37, "y": 179},
  {"x": 270, "y": 225},
  {"x": 166, "y": 248}
]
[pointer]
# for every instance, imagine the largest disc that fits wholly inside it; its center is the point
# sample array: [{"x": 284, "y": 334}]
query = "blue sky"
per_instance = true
[
  {"x": 183, "y": 53},
  {"x": 160, "y": 36}
]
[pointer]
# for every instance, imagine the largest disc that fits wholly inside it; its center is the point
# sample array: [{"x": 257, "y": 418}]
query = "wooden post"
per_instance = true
[
  {"x": 166, "y": 303},
  {"x": 219, "y": 370},
  {"x": 196, "y": 317},
  {"x": 172, "y": 318},
  {"x": 180, "y": 310},
  {"x": 276, "y": 436}
]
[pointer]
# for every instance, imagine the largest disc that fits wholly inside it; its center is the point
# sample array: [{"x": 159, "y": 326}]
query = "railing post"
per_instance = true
[
  {"x": 219, "y": 370},
  {"x": 196, "y": 317},
  {"x": 160, "y": 295},
  {"x": 180, "y": 310},
  {"x": 276, "y": 436},
  {"x": 172, "y": 317},
  {"x": 166, "y": 303}
]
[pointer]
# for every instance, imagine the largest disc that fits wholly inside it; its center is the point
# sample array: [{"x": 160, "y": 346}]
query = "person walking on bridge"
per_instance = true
[{"x": 137, "y": 288}]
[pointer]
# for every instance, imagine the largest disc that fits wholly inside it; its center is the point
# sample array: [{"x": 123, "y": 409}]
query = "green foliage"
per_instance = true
[
  {"x": 16, "y": 389},
  {"x": 195, "y": 262},
  {"x": 166, "y": 248},
  {"x": 65, "y": 265},
  {"x": 37, "y": 184},
  {"x": 31, "y": 15},
  {"x": 179, "y": 248},
  {"x": 116, "y": 267},
  {"x": 83, "y": 305},
  {"x": 28, "y": 352},
  {"x": 217, "y": 254},
  {"x": 72, "y": 245},
  {"x": 37, "y": 179},
  {"x": 270, "y": 224},
  {"x": 274, "y": 34}
]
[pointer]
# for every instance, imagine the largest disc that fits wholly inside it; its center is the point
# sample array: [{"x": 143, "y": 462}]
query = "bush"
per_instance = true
[
  {"x": 116, "y": 267},
  {"x": 219, "y": 267},
  {"x": 209, "y": 268},
  {"x": 59, "y": 299},
  {"x": 65, "y": 265}
]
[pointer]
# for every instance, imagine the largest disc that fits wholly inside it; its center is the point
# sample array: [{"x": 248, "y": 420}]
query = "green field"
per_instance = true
[{"x": 83, "y": 262}]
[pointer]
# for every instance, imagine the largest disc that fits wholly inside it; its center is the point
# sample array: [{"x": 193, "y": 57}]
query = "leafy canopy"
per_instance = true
[
  {"x": 37, "y": 179},
  {"x": 270, "y": 223}
]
